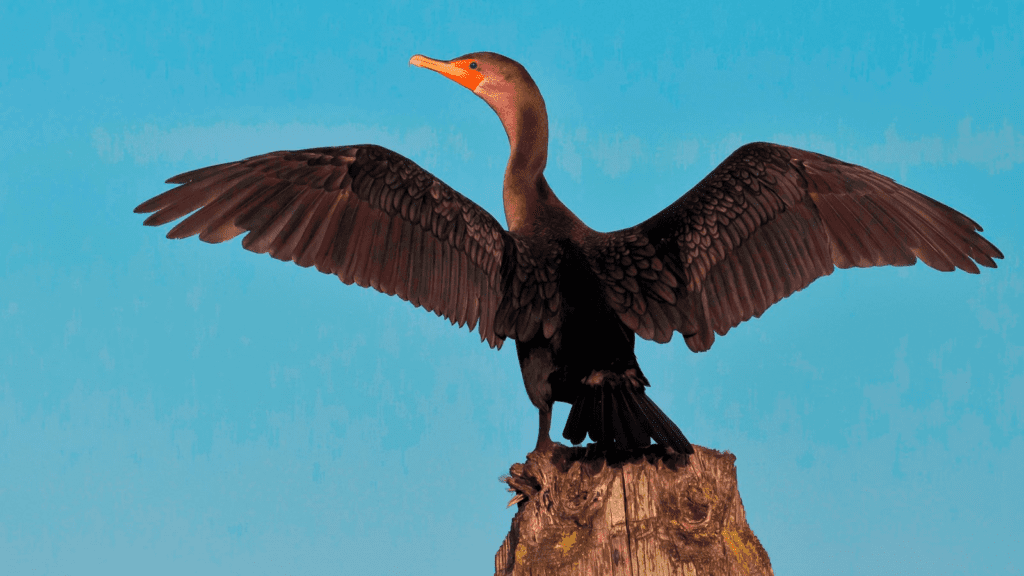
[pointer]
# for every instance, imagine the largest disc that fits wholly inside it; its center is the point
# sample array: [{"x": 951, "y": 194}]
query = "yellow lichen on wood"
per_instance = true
[
  {"x": 567, "y": 543},
  {"x": 520, "y": 553},
  {"x": 742, "y": 550}
]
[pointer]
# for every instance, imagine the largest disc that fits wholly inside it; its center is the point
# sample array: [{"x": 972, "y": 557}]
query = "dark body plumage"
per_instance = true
[{"x": 765, "y": 223}]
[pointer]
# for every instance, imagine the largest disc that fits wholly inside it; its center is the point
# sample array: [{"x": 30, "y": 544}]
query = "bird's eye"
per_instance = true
[{"x": 472, "y": 65}]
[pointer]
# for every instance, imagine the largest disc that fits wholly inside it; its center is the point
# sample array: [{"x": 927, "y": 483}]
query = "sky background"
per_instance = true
[{"x": 174, "y": 407}]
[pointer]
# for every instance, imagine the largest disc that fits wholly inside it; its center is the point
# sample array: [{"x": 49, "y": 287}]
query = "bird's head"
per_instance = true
[{"x": 501, "y": 82}]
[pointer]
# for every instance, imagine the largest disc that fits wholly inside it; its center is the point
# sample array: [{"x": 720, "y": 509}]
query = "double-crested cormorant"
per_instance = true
[{"x": 764, "y": 224}]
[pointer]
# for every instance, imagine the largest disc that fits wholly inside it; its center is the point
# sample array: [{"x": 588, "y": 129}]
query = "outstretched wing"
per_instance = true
[
  {"x": 764, "y": 224},
  {"x": 363, "y": 213}
]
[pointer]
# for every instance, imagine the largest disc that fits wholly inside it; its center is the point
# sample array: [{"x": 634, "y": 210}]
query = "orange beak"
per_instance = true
[{"x": 457, "y": 70}]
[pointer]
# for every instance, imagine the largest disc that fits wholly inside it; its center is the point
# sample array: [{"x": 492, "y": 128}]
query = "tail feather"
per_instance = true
[
  {"x": 631, "y": 413},
  {"x": 617, "y": 411},
  {"x": 576, "y": 425},
  {"x": 654, "y": 424},
  {"x": 602, "y": 416},
  {"x": 663, "y": 429},
  {"x": 613, "y": 424}
]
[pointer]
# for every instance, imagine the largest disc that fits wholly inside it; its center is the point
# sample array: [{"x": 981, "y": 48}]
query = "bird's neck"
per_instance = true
[
  {"x": 529, "y": 201},
  {"x": 528, "y": 155},
  {"x": 527, "y": 131}
]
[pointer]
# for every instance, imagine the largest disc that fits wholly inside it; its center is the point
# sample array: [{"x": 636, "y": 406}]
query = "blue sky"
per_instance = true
[{"x": 171, "y": 407}]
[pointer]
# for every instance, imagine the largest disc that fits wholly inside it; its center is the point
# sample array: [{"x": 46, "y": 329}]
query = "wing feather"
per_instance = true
[
  {"x": 363, "y": 213},
  {"x": 765, "y": 223}
]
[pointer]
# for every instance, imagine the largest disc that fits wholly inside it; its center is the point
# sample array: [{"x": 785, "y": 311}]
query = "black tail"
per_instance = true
[{"x": 617, "y": 412}]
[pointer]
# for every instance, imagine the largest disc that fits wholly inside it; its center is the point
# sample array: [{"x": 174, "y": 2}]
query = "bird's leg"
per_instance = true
[
  {"x": 544, "y": 435},
  {"x": 524, "y": 485}
]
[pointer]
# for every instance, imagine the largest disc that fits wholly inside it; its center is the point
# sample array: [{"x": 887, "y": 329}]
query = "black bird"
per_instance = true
[{"x": 764, "y": 224}]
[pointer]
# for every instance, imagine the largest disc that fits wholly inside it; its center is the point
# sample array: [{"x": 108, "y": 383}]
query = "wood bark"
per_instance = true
[{"x": 642, "y": 514}]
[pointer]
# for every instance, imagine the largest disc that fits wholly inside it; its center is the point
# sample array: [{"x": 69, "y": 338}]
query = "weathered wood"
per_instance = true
[{"x": 647, "y": 514}]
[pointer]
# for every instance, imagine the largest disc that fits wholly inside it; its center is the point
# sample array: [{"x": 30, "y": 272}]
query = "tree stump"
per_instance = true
[{"x": 642, "y": 514}]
